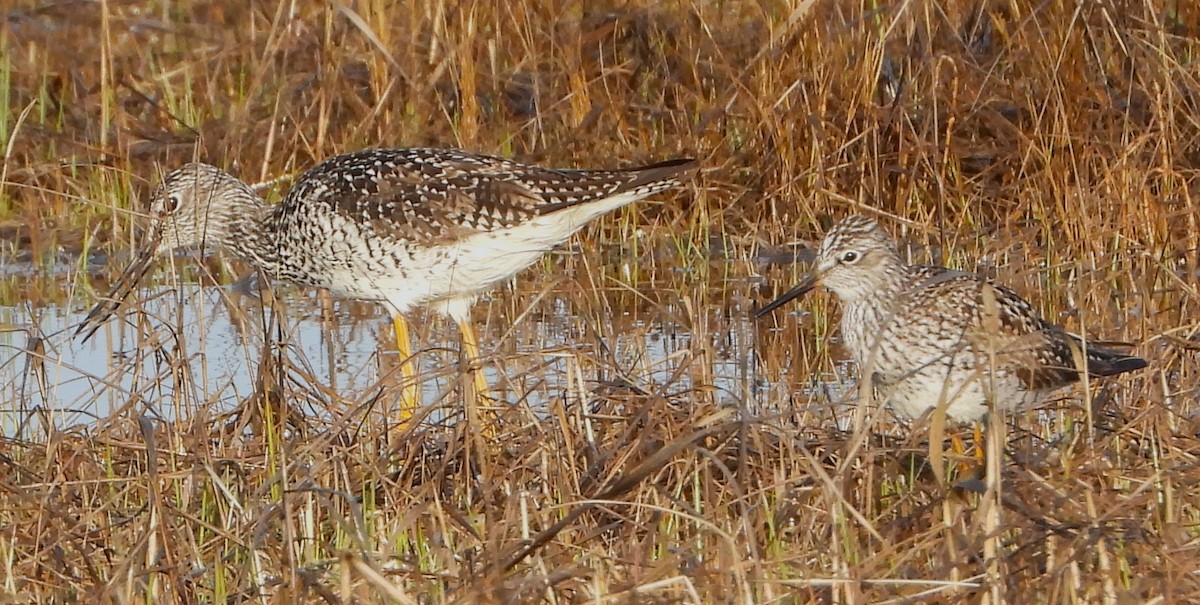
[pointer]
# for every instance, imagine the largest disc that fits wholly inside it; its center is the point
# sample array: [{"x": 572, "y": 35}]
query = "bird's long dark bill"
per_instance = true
[
  {"x": 803, "y": 288},
  {"x": 125, "y": 286}
]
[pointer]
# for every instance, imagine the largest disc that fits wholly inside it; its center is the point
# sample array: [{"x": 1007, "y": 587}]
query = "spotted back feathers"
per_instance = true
[{"x": 432, "y": 196}]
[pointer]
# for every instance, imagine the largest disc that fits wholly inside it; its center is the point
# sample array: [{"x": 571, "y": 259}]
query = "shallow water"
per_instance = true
[
  {"x": 189, "y": 348},
  {"x": 547, "y": 339}
]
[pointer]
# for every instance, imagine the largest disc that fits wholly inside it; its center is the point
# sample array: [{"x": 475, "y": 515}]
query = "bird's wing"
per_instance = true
[
  {"x": 434, "y": 197},
  {"x": 999, "y": 324}
]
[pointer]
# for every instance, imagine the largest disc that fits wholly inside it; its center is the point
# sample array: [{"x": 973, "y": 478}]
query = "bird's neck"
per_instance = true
[
  {"x": 249, "y": 234},
  {"x": 867, "y": 313},
  {"x": 878, "y": 287}
]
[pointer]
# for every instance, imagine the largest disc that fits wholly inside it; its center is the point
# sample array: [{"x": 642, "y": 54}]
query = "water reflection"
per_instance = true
[{"x": 189, "y": 348}]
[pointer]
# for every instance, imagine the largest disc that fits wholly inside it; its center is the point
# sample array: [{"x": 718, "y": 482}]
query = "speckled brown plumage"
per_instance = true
[
  {"x": 930, "y": 334},
  {"x": 406, "y": 227}
]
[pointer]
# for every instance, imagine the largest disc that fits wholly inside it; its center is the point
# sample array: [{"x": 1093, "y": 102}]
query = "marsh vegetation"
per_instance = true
[{"x": 222, "y": 443}]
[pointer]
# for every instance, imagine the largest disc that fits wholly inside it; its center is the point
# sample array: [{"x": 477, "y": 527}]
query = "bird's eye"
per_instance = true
[
  {"x": 851, "y": 257},
  {"x": 171, "y": 204}
]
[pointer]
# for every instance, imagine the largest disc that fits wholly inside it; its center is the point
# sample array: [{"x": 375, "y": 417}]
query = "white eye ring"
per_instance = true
[{"x": 851, "y": 257}]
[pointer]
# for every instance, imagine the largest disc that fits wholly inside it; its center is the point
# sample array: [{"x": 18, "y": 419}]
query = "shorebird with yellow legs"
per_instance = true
[
  {"x": 412, "y": 227},
  {"x": 930, "y": 337}
]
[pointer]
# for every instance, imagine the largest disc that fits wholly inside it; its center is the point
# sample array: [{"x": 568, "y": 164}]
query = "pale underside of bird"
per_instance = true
[
  {"x": 403, "y": 227},
  {"x": 930, "y": 337}
]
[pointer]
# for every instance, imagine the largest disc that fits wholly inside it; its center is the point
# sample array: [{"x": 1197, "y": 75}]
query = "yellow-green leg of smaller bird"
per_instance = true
[
  {"x": 478, "y": 396},
  {"x": 410, "y": 392},
  {"x": 979, "y": 452},
  {"x": 965, "y": 468},
  {"x": 956, "y": 443}
]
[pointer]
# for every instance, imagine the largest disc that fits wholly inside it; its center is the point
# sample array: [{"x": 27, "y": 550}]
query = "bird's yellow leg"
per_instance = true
[
  {"x": 960, "y": 448},
  {"x": 957, "y": 443},
  {"x": 979, "y": 453},
  {"x": 479, "y": 387},
  {"x": 410, "y": 393}
]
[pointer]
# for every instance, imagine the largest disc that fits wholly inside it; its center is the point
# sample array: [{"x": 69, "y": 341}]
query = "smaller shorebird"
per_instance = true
[
  {"x": 929, "y": 336},
  {"x": 403, "y": 227}
]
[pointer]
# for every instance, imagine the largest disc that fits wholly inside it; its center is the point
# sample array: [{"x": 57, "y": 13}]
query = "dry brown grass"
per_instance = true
[{"x": 1056, "y": 144}]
